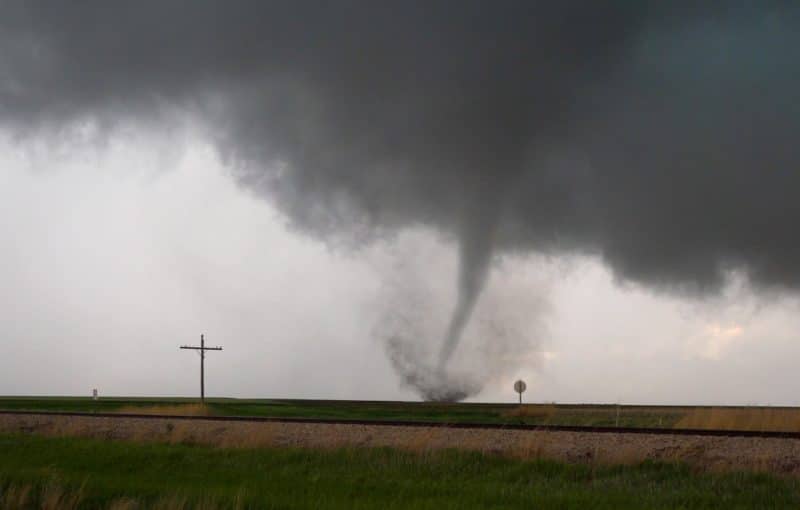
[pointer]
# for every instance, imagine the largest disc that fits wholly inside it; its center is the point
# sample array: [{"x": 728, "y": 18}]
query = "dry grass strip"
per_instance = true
[
  {"x": 751, "y": 418},
  {"x": 775, "y": 455}
]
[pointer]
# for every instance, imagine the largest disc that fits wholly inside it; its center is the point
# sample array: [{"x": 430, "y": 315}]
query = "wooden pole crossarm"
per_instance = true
[{"x": 202, "y": 349}]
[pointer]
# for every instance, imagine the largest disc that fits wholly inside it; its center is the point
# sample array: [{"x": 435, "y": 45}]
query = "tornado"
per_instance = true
[
  {"x": 476, "y": 245},
  {"x": 475, "y": 252}
]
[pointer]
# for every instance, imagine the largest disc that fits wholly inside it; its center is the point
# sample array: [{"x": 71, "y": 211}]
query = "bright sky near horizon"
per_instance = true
[{"x": 115, "y": 254}]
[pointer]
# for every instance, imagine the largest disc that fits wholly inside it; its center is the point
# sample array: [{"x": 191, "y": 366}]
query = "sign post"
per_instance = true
[{"x": 520, "y": 387}]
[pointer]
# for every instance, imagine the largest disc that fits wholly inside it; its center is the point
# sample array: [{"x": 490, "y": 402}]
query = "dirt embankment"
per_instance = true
[{"x": 714, "y": 453}]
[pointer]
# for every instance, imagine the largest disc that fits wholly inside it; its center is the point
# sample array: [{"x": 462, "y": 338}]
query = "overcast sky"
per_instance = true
[
  {"x": 114, "y": 255},
  {"x": 367, "y": 200}
]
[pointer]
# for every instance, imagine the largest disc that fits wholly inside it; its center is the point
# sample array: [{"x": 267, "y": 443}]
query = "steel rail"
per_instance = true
[{"x": 430, "y": 424}]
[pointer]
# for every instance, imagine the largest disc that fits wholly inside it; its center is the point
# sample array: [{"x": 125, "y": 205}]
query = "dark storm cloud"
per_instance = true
[{"x": 659, "y": 136}]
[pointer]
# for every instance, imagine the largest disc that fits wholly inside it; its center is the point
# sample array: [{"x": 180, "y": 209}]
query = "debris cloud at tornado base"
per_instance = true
[
  {"x": 657, "y": 137},
  {"x": 506, "y": 334}
]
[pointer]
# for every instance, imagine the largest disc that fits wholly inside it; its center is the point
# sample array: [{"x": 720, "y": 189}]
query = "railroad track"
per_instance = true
[{"x": 396, "y": 423}]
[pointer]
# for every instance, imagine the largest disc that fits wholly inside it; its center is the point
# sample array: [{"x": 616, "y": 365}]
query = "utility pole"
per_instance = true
[{"x": 202, "y": 349}]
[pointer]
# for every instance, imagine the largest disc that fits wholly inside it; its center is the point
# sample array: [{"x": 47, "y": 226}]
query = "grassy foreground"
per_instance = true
[{"x": 41, "y": 472}]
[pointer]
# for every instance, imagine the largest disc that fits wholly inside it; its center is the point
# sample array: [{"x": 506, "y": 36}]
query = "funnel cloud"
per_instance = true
[{"x": 658, "y": 137}]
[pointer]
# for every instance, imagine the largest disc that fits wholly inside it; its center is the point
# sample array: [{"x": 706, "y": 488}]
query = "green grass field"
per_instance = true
[
  {"x": 735, "y": 418},
  {"x": 596, "y": 415},
  {"x": 82, "y": 473}
]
